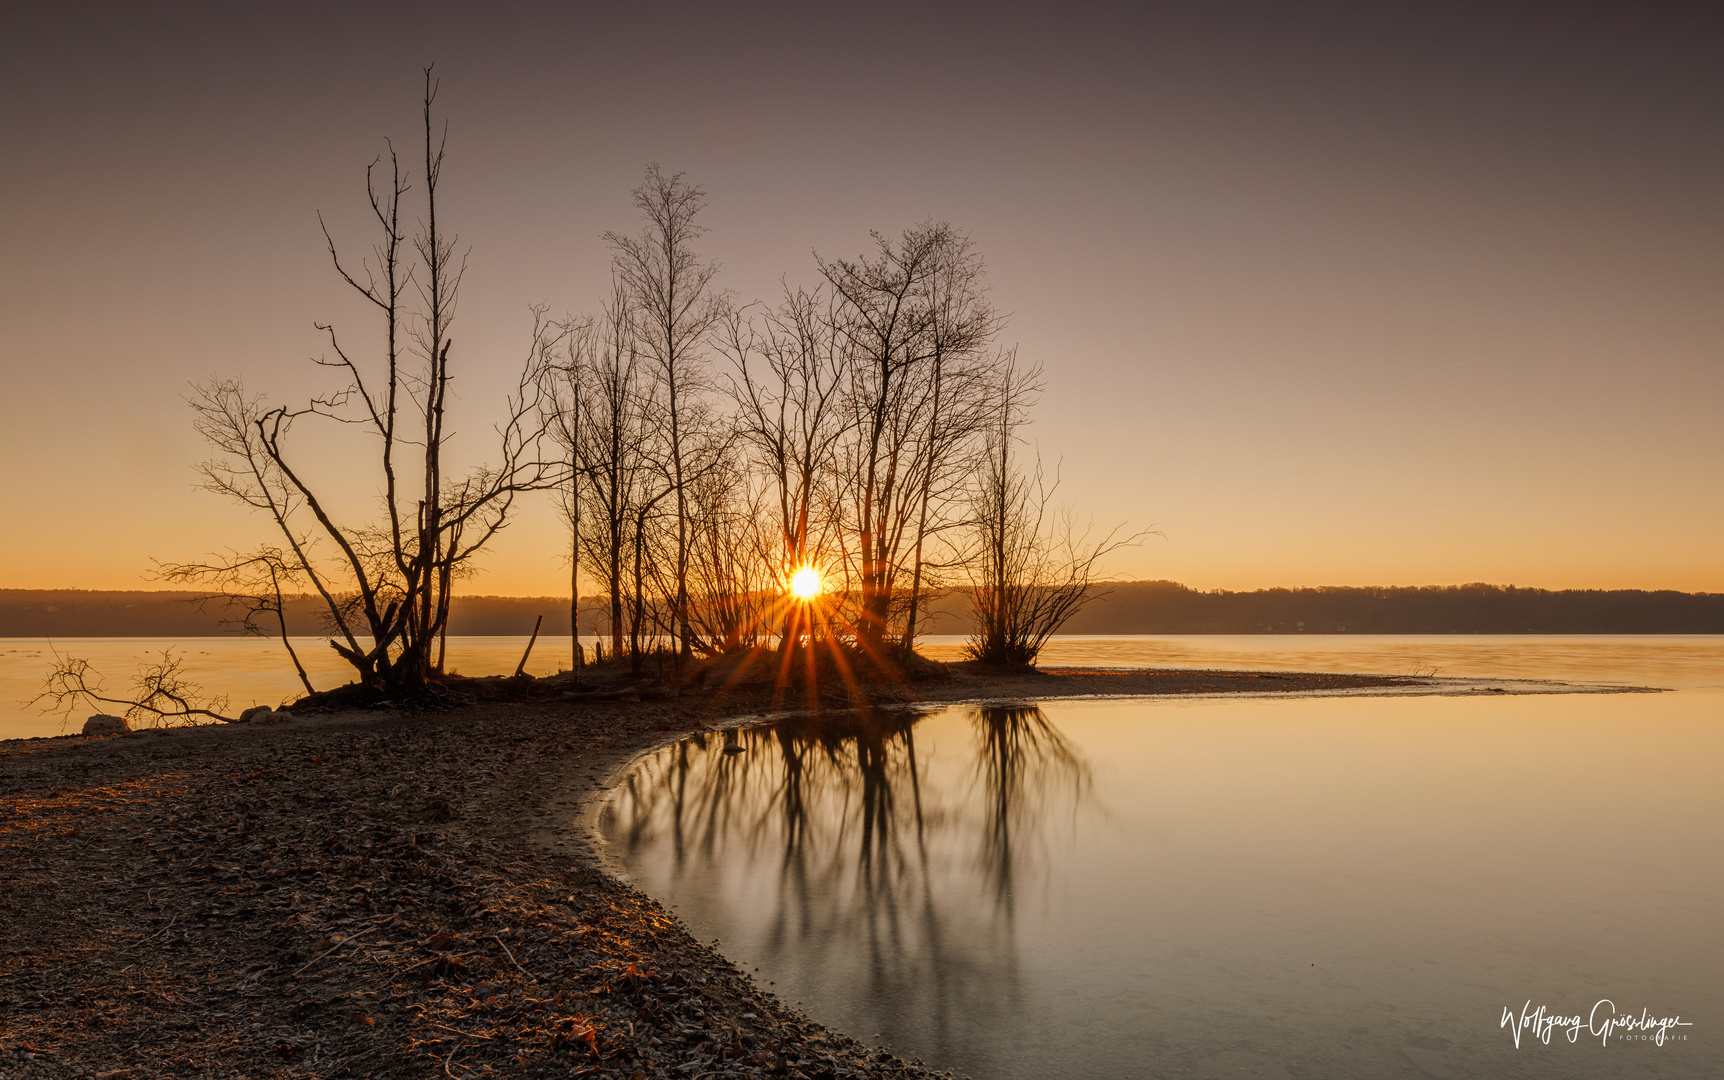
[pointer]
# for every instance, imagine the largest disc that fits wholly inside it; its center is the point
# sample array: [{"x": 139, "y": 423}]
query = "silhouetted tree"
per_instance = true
[
  {"x": 565, "y": 406},
  {"x": 1031, "y": 568},
  {"x": 672, "y": 306},
  {"x": 788, "y": 383},
  {"x": 387, "y": 583},
  {"x": 615, "y": 425},
  {"x": 962, "y": 373},
  {"x": 161, "y": 691},
  {"x": 904, "y": 314}
]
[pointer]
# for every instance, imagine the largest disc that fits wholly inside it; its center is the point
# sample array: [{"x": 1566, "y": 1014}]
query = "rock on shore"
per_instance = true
[{"x": 103, "y": 724}]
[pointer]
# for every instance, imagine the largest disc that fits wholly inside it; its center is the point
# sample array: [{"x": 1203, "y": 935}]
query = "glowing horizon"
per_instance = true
[{"x": 1365, "y": 298}]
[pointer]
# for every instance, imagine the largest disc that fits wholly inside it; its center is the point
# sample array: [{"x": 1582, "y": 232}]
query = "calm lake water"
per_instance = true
[
  {"x": 255, "y": 671},
  {"x": 248, "y": 671},
  {"x": 1295, "y": 887}
]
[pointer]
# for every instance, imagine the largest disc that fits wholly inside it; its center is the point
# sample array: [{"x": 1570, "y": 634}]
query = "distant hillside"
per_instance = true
[
  {"x": 1163, "y": 607},
  {"x": 1136, "y": 607}
]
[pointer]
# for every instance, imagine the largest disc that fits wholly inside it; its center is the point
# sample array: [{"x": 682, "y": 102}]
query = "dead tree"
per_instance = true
[
  {"x": 387, "y": 582},
  {"x": 673, "y": 306},
  {"x": 1031, "y": 567},
  {"x": 617, "y": 415},
  {"x": 912, "y": 317},
  {"x": 565, "y": 406},
  {"x": 788, "y": 382}
]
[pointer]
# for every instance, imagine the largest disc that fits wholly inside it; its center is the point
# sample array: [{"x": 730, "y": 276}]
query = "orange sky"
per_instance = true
[{"x": 1415, "y": 299}]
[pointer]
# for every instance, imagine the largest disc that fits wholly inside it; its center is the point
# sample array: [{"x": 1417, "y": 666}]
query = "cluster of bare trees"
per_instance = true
[
  {"x": 703, "y": 451},
  {"x": 713, "y": 450},
  {"x": 867, "y": 427}
]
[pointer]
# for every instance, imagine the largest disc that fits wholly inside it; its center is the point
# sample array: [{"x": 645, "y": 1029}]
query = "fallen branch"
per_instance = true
[
  {"x": 158, "y": 933},
  {"x": 453, "y": 1031},
  {"x": 155, "y": 685},
  {"x": 511, "y": 957},
  {"x": 434, "y": 959},
  {"x": 522, "y": 666},
  {"x": 339, "y": 944},
  {"x": 603, "y": 695}
]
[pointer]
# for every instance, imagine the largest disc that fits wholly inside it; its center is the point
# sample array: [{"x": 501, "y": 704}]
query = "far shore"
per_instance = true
[{"x": 385, "y": 893}]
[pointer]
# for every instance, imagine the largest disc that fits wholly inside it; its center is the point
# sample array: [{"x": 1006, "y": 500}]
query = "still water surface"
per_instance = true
[
  {"x": 256, "y": 671},
  {"x": 1307, "y": 887},
  {"x": 247, "y": 671}
]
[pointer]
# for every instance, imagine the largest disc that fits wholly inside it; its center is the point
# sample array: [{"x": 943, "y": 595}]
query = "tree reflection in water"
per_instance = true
[{"x": 877, "y": 879}]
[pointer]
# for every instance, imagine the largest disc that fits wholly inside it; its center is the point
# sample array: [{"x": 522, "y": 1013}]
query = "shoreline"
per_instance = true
[{"x": 386, "y": 894}]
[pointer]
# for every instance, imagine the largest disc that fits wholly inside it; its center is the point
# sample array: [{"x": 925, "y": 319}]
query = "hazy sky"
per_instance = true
[{"x": 1341, "y": 295}]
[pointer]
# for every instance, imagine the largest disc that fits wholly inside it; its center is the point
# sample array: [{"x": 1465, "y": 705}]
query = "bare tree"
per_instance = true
[
  {"x": 1031, "y": 567},
  {"x": 883, "y": 329},
  {"x": 611, "y": 433},
  {"x": 160, "y": 692},
  {"x": 961, "y": 328},
  {"x": 912, "y": 317},
  {"x": 387, "y": 583},
  {"x": 669, "y": 534},
  {"x": 673, "y": 306},
  {"x": 730, "y": 577},
  {"x": 566, "y": 405},
  {"x": 788, "y": 383},
  {"x": 648, "y": 582}
]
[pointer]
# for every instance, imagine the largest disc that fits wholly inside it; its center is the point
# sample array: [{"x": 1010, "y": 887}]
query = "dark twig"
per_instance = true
[
  {"x": 511, "y": 956},
  {"x": 339, "y": 944}
]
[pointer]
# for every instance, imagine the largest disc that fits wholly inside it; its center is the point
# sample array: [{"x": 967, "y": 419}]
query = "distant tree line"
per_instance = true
[
  {"x": 1164, "y": 607},
  {"x": 1133, "y": 607}
]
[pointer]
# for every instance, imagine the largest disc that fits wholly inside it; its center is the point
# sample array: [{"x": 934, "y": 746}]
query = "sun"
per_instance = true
[{"x": 805, "y": 583}]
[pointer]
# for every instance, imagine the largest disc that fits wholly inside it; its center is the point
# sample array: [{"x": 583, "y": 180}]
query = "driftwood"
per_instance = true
[
  {"x": 641, "y": 692},
  {"x": 594, "y": 696}
]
